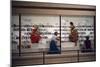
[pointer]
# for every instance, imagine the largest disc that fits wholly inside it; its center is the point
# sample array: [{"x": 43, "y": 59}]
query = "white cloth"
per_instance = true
[{"x": 54, "y": 37}]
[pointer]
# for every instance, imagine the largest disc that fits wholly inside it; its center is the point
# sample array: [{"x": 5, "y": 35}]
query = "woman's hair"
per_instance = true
[
  {"x": 71, "y": 23},
  {"x": 55, "y": 33}
]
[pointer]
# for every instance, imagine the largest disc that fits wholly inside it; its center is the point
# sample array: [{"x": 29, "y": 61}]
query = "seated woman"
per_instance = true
[
  {"x": 35, "y": 35},
  {"x": 53, "y": 44},
  {"x": 87, "y": 44}
]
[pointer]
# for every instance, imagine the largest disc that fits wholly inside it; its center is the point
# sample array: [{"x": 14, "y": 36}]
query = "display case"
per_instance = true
[{"x": 40, "y": 33}]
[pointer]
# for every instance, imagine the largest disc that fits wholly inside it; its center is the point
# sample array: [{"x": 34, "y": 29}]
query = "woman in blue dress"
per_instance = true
[{"x": 53, "y": 49}]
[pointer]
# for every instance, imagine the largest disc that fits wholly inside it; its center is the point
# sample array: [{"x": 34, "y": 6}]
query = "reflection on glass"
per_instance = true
[
  {"x": 46, "y": 41},
  {"x": 37, "y": 32},
  {"x": 15, "y": 33},
  {"x": 74, "y": 29}
]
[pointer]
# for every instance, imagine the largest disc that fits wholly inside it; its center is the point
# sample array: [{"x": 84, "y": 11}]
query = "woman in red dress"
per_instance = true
[
  {"x": 35, "y": 35},
  {"x": 73, "y": 37}
]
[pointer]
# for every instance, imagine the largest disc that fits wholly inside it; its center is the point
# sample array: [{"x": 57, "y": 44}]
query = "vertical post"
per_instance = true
[
  {"x": 43, "y": 57},
  {"x": 19, "y": 34},
  {"x": 94, "y": 37},
  {"x": 94, "y": 33},
  {"x": 60, "y": 32},
  {"x": 78, "y": 55}
]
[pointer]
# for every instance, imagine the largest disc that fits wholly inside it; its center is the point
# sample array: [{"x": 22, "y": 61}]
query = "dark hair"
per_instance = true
[
  {"x": 71, "y": 23},
  {"x": 87, "y": 37},
  {"x": 55, "y": 33}
]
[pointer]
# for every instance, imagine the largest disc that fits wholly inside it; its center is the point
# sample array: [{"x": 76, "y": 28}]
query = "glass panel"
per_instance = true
[
  {"x": 74, "y": 30},
  {"x": 37, "y": 32},
  {"x": 15, "y": 33}
]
